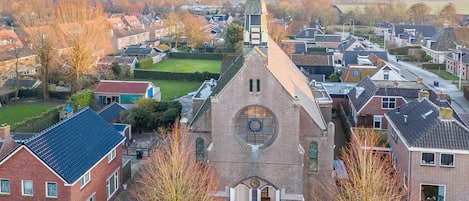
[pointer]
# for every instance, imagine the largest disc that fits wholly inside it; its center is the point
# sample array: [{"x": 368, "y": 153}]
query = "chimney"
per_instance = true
[
  {"x": 441, "y": 96},
  {"x": 405, "y": 119},
  {"x": 420, "y": 80},
  {"x": 423, "y": 94},
  {"x": 446, "y": 113},
  {"x": 4, "y": 131}
]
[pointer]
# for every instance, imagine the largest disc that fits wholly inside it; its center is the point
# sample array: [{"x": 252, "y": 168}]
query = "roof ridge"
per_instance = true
[{"x": 57, "y": 124}]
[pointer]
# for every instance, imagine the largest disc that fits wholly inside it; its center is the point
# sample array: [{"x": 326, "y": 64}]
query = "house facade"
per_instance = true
[
  {"x": 264, "y": 146},
  {"x": 444, "y": 41},
  {"x": 429, "y": 150},
  {"x": 371, "y": 99},
  {"x": 457, "y": 63},
  {"x": 67, "y": 161},
  {"x": 124, "y": 92}
]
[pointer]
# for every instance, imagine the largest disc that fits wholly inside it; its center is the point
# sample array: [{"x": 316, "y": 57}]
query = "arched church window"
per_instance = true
[
  {"x": 256, "y": 125},
  {"x": 200, "y": 149},
  {"x": 313, "y": 157}
]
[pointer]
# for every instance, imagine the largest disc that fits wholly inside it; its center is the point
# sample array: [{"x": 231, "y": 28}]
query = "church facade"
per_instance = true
[{"x": 262, "y": 128}]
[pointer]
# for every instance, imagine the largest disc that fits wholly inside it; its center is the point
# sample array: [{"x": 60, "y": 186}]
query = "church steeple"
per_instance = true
[{"x": 255, "y": 24}]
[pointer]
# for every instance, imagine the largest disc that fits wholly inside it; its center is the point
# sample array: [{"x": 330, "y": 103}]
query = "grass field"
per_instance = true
[
  {"x": 187, "y": 66},
  {"x": 462, "y": 6},
  {"x": 171, "y": 88},
  {"x": 444, "y": 74},
  {"x": 17, "y": 112}
]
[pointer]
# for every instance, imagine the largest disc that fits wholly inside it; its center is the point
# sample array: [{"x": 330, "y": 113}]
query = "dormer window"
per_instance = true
[
  {"x": 388, "y": 103},
  {"x": 133, "y": 22}
]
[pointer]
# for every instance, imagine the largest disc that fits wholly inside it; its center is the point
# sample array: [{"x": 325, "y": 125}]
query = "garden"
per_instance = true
[
  {"x": 13, "y": 113},
  {"x": 186, "y": 66}
]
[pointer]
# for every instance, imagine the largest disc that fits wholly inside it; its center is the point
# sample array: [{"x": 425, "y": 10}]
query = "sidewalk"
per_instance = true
[{"x": 458, "y": 102}]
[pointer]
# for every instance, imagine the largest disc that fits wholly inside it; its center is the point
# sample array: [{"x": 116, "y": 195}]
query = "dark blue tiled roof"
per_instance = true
[
  {"x": 369, "y": 89},
  {"x": 111, "y": 112},
  {"x": 424, "y": 128},
  {"x": 119, "y": 127},
  {"x": 424, "y": 30},
  {"x": 350, "y": 57},
  {"x": 74, "y": 145}
]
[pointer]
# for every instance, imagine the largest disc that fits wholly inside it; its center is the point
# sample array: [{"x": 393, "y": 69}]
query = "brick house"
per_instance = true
[
  {"x": 444, "y": 41},
  {"x": 457, "y": 62},
  {"x": 68, "y": 161},
  {"x": 371, "y": 99},
  {"x": 124, "y": 92},
  {"x": 430, "y": 150}
]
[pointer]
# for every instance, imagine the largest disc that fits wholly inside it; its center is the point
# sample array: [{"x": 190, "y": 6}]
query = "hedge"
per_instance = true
[
  {"x": 181, "y": 55},
  {"x": 156, "y": 75},
  {"x": 433, "y": 66},
  {"x": 38, "y": 123},
  {"x": 145, "y": 63},
  {"x": 346, "y": 124},
  {"x": 402, "y": 50}
]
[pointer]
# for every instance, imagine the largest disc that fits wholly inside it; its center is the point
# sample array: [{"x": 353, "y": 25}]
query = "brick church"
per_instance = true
[{"x": 261, "y": 127}]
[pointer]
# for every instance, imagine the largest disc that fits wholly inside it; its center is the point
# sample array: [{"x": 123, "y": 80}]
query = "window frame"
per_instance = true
[
  {"x": 200, "y": 149},
  {"x": 313, "y": 158},
  {"x": 23, "y": 188},
  {"x": 388, "y": 102},
  {"x": 112, "y": 155},
  {"x": 84, "y": 181},
  {"x": 386, "y": 76},
  {"x": 92, "y": 197},
  {"x": 115, "y": 177},
  {"x": 2, "y": 192},
  {"x": 427, "y": 163},
  {"x": 356, "y": 73},
  {"x": 258, "y": 85},
  {"x": 251, "y": 85},
  {"x": 380, "y": 121},
  {"x": 441, "y": 157},
  {"x": 56, "y": 190}
]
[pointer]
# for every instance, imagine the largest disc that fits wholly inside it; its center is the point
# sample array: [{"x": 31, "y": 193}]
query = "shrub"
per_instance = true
[
  {"x": 81, "y": 99},
  {"x": 145, "y": 63}
]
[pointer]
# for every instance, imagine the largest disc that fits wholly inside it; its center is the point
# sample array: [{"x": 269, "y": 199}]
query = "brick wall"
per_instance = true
[{"x": 24, "y": 166}]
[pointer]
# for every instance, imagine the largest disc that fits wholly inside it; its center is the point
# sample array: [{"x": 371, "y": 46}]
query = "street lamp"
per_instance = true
[{"x": 460, "y": 67}]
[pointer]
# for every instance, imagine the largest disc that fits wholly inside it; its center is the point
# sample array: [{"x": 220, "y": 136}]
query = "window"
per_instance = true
[
  {"x": 250, "y": 85},
  {"x": 386, "y": 76},
  {"x": 388, "y": 103},
  {"x": 27, "y": 187},
  {"x": 394, "y": 135},
  {"x": 92, "y": 197},
  {"x": 377, "y": 121},
  {"x": 111, "y": 155},
  {"x": 4, "y": 186},
  {"x": 258, "y": 85},
  {"x": 199, "y": 149},
  {"x": 447, "y": 160},
  {"x": 85, "y": 179},
  {"x": 428, "y": 158},
  {"x": 355, "y": 73},
  {"x": 51, "y": 189},
  {"x": 394, "y": 161},
  {"x": 256, "y": 125},
  {"x": 313, "y": 157},
  {"x": 433, "y": 192},
  {"x": 112, "y": 184}
]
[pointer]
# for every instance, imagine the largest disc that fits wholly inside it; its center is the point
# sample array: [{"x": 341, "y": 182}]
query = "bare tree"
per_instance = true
[
  {"x": 448, "y": 14},
  {"x": 195, "y": 29},
  {"x": 173, "y": 173},
  {"x": 277, "y": 30},
  {"x": 85, "y": 35},
  {"x": 419, "y": 12},
  {"x": 371, "y": 175}
]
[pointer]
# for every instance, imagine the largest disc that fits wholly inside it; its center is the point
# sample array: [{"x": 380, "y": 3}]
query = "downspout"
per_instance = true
[{"x": 409, "y": 169}]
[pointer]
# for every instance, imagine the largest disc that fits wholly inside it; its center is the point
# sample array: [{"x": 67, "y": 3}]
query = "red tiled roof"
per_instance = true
[{"x": 122, "y": 87}]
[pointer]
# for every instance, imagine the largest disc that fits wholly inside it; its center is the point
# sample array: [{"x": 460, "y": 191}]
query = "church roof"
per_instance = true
[{"x": 293, "y": 81}]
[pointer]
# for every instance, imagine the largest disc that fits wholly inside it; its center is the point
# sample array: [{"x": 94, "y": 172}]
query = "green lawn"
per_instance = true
[
  {"x": 187, "y": 66},
  {"x": 462, "y": 6},
  {"x": 17, "y": 112},
  {"x": 171, "y": 88},
  {"x": 444, "y": 74}
]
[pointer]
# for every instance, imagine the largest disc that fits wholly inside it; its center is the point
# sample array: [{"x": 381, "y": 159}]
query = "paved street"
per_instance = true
[{"x": 411, "y": 72}]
